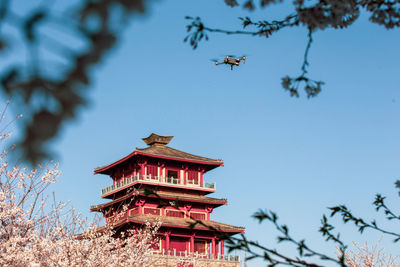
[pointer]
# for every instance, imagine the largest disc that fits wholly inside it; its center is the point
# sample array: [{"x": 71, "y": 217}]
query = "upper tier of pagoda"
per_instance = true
[
  {"x": 159, "y": 165},
  {"x": 158, "y": 149}
]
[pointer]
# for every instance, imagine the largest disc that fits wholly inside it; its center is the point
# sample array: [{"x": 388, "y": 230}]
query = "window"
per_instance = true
[
  {"x": 173, "y": 174},
  {"x": 193, "y": 177},
  {"x": 200, "y": 246},
  {"x": 152, "y": 170},
  {"x": 172, "y": 177},
  {"x": 175, "y": 213}
]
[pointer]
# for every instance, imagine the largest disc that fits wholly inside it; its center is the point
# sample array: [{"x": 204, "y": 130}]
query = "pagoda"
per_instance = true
[{"x": 177, "y": 198}]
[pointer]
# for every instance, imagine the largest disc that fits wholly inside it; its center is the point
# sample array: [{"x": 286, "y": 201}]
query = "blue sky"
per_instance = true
[{"x": 293, "y": 156}]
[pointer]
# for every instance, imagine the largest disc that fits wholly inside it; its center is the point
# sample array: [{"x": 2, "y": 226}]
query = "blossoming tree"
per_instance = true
[{"x": 34, "y": 233}]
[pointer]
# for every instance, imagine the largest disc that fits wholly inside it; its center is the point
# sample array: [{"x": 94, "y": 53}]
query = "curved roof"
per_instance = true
[
  {"x": 165, "y": 195},
  {"x": 159, "y": 149},
  {"x": 183, "y": 223},
  {"x": 166, "y": 151}
]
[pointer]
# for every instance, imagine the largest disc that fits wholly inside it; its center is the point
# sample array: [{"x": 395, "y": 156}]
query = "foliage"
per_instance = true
[
  {"x": 62, "y": 48},
  {"x": 313, "y": 15},
  {"x": 33, "y": 233},
  {"x": 369, "y": 256},
  {"x": 63, "y": 43},
  {"x": 306, "y": 253}
]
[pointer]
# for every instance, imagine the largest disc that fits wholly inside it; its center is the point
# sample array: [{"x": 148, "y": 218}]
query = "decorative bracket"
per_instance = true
[
  {"x": 188, "y": 207},
  {"x": 140, "y": 202}
]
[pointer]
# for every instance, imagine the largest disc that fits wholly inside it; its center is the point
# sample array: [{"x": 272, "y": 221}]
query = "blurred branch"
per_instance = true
[
  {"x": 197, "y": 30},
  {"x": 347, "y": 216},
  {"x": 314, "y": 15},
  {"x": 305, "y": 253},
  {"x": 310, "y": 86},
  {"x": 60, "y": 92},
  {"x": 272, "y": 255}
]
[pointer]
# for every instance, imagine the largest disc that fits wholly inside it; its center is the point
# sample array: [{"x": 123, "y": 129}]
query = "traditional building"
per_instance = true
[{"x": 165, "y": 183}]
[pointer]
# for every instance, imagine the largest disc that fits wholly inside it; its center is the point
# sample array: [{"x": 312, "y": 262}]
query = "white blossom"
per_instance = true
[{"x": 34, "y": 234}]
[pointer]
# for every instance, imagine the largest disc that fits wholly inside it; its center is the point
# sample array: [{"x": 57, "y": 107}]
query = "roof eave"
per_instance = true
[
  {"x": 216, "y": 163},
  {"x": 109, "y": 166},
  {"x": 98, "y": 208},
  {"x": 239, "y": 230},
  {"x": 101, "y": 170}
]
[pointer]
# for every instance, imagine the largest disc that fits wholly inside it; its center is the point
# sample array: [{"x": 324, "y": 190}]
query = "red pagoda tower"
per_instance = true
[{"x": 178, "y": 199}]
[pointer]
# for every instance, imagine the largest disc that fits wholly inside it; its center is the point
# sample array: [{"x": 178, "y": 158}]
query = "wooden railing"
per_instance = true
[
  {"x": 174, "y": 253},
  {"x": 155, "y": 179}
]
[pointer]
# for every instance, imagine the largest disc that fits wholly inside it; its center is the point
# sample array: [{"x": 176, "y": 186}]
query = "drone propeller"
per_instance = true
[
  {"x": 243, "y": 57},
  {"x": 214, "y": 60}
]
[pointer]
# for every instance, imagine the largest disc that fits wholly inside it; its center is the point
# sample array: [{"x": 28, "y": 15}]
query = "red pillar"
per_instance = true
[
  {"x": 216, "y": 247},
  {"x": 213, "y": 246},
  {"x": 162, "y": 178},
  {"x": 185, "y": 168},
  {"x": 167, "y": 242},
  {"x": 139, "y": 203},
  {"x": 140, "y": 209},
  {"x": 209, "y": 210},
  {"x": 222, "y": 248},
  {"x": 192, "y": 244},
  {"x": 188, "y": 207},
  {"x": 142, "y": 170}
]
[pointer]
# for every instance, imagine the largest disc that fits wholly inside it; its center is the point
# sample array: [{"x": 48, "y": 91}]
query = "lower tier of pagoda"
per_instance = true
[{"x": 184, "y": 235}]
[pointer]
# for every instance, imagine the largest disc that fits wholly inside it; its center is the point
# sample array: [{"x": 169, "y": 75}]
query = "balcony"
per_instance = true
[
  {"x": 128, "y": 181},
  {"x": 196, "y": 256}
]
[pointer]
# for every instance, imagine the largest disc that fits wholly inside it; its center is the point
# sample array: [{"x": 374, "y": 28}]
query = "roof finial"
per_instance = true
[{"x": 155, "y": 139}]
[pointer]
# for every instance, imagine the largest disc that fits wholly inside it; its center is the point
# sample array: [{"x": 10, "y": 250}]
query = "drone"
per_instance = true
[{"x": 231, "y": 60}]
